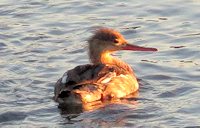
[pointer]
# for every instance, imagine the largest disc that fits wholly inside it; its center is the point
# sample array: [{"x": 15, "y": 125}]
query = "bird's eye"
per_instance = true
[{"x": 116, "y": 41}]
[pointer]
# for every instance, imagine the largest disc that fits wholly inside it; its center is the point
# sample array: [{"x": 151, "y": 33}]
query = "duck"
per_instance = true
[{"x": 105, "y": 78}]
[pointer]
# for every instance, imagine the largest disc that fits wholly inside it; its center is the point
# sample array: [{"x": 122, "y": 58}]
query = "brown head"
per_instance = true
[{"x": 106, "y": 41}]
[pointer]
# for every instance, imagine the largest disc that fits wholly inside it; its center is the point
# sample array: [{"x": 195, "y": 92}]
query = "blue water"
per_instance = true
[{"x": 41, "y": 39}]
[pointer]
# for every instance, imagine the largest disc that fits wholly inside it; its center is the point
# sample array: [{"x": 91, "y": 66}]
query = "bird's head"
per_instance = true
[{"x": 109, "y": 40}]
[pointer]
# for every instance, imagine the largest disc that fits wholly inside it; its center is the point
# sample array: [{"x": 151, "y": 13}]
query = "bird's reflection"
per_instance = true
[{"x": 74, "y": 110}]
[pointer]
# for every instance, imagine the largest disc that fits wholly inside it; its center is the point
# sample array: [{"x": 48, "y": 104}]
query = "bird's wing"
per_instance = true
[{"x": 89, "y": 75}]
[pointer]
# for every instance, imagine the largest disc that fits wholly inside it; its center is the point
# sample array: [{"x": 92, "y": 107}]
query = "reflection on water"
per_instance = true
[
  {"x": 67, "y": 109},
  {"x": 41, "y": 39},
  {"x": 109, "y": 114}
]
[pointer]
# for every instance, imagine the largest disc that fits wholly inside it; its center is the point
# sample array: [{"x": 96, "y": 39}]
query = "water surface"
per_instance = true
[{"x": 40, "y": 39}]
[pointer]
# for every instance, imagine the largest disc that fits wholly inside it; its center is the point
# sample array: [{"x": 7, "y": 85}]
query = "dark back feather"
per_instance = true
[{"x": 86, "y": 74}]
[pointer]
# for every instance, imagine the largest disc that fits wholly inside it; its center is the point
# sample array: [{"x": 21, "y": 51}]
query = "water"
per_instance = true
[{"x": 40, "y": 39}]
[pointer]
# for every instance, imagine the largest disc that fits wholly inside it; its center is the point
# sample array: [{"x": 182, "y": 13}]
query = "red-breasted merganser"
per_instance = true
[{"x": 105, "y": 78}]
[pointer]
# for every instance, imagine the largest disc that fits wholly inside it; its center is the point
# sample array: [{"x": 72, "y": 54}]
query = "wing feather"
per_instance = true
[{"x": 86, "y": 78}]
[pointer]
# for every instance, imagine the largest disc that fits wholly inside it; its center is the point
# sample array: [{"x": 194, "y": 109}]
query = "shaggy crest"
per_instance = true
[{"x": 106, "y": 34}]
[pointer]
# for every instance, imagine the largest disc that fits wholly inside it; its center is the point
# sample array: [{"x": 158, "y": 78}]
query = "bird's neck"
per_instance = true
[{"x": 107, "y": 59}]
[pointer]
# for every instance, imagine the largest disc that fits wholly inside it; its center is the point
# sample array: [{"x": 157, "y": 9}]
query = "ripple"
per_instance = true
[
  {"x": 57, "y": 32},
  {"x": 12, "y": 116},
  {"x": 141, "y": 116},
  {"x": 193, "y": 126},
  {"x": 177, "y": 92},
  {"x": 161, "y": 77}
]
